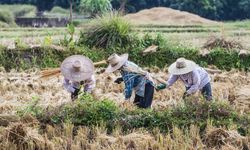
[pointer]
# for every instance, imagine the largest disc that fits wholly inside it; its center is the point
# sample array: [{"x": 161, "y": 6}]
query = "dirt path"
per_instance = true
[{"x": 20, "y": 88}]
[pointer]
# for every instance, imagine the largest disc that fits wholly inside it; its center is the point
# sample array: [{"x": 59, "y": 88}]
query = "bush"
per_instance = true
[
  {"x": 20, "y": 10},
  {"x": 95, "y": 7},
  {"x": 42, "y": 57},
  {"x": 7, "y": 17},
  {"x": 59, "y": 10},
  {"x": 23, "y": 10},
  {"x": 107, "y": 31},
  {"x": 3, "y": 25},
  {"x": 91, "y": 112}
]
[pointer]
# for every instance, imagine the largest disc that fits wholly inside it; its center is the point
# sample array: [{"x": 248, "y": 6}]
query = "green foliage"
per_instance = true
[
  {"x": 32, "y": 108},
  {"x": 19, "y": 44},
  {"x": 42, "y": 57},
  {"x": 20, "y": 10},
  {"x": 69, "y": 40},
  {"x": 3, "y": 25},
  {"x": 91, "y": 112},
  {"x": 7, "y": 17},
  {"x": 95, "y": 7},
  {"x": 109, "y": 30},
  {"x": 59, "y": 10},
  {"x": 230, "y": 59},
  {"x": 212, "y": 9},
  {"x": 71, "y": 30}
]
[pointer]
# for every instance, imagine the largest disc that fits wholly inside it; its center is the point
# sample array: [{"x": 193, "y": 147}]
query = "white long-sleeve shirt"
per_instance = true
[
  {"x": 88, "y": 84},
  {"x": 194, "y": 80}
]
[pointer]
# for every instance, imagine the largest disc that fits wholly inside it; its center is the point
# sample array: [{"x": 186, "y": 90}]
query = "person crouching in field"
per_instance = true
[
  {"x": 133, "y": 77},
  {"x": 194, "y": 77},
  {"x": 78, "y": 71}
]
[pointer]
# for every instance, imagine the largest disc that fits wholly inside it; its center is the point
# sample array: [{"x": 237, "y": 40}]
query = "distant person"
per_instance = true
[
  {"x": 193, "y": 76},
  {"x": 78, "y": 71},
  {"x": 133, "y": 79}
]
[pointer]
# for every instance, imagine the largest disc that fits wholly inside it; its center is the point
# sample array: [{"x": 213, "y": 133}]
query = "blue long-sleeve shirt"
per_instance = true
[{"x": 133, "y": 81}]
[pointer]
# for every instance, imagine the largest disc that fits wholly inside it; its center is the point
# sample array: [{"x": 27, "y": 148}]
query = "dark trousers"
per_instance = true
[
  {"x": 206, "y": 91},
  {"x": 146, "y": 101}
]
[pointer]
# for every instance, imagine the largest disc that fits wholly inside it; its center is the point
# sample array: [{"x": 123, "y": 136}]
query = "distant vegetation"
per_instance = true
[
  {"x": 8, "y": 13},
  {"x": 212, "y": 9},
  {"x": 20, "y": 10}
]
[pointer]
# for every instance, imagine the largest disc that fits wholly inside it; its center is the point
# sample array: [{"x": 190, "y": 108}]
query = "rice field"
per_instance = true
[
  {"x": 189, "y": 35},
  {"x": 19, "y": 88}
]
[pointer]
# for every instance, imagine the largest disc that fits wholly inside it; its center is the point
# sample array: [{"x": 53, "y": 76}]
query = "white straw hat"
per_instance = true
[
  {"x": 115, "y": 62},
  {"x": 182, "y": 66},
  {"x": 77, "y": 68}
]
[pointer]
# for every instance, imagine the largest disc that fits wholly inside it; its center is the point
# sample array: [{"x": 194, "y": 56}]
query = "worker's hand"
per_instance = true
[
  {"x": 126, "y": 103},
  {"x": 74, "y": 94},
  {"x": 185, "y": 95},
  {"x": 161, "y": 87},
  {"x": 149, "y": 77},
  {"x": 119, "y": 80}
]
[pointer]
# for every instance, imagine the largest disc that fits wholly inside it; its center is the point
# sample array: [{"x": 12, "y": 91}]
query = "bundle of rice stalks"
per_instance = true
[
  {"x": 50, "y": 73},
  {"x": 6, "y": 119},
  {"x": 216, "y": 42},
  {"x": 20, "y": 136},
  {"x": 218, "y": 137}
]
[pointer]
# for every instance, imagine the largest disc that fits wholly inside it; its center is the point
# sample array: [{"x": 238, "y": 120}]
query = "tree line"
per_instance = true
[{"x": 212, "y": 9}]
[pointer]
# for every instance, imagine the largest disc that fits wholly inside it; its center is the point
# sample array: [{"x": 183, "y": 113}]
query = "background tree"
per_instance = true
[
  {"x": 212, "y": 9},
  {"x": 95, "y": 7}
]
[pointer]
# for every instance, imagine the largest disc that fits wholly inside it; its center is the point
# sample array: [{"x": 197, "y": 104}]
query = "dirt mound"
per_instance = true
[{"x": 166, "y": 16}]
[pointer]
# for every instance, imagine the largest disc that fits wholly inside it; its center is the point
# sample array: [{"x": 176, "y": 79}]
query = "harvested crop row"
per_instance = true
[{"x": 20, "y": 88}]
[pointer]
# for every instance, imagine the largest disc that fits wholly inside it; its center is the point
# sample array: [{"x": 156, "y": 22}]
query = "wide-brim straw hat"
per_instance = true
[
  {"x": 116, "y": 62},
  {"x": 182, "y": 66},
  {"x": 77, "y": 68}
]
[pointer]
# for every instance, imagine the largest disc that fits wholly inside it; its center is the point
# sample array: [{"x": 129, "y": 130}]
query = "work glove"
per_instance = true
[
  {"x": 119, "y": 80},
  {"x": 74, "y": 94},
  {"x": 161, "y": 87}
]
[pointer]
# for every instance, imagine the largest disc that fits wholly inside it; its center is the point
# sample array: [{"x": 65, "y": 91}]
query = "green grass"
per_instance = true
[
  {"x": 245, "y": 24},
  {"x": 57, "y": 12},
  {"x": 20, "y": 10},
  {"x": 90, "y": 112}
]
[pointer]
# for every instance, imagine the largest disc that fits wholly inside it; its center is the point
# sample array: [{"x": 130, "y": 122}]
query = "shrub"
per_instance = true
[
  {"x": 23, "y": 10},
  {"x": 95, "y": 7},
  {"x": 91, "y": 112},
  {"x": 20, "y": 10},
  {"x": 7, "y": 17},
  {"x": 3, "y": 25},
  {"x": 107, "y": 31},
  {"x": 59, "y": 10}
]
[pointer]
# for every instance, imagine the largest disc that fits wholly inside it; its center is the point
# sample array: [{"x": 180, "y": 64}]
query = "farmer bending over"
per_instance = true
[
  {"x": 134, "y": 78},
  {"x": 194, "y": 77},
  {"x": 78, "y": 71}
]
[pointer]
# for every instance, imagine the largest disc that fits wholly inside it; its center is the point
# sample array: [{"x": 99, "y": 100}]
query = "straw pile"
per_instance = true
[
  {"x": 166, "y": 16},
  {"x": 20, "y": 136},
  {"x": 243, "y": 98},
  {"x": 215, "y": 42},
  {"x": 218, "y": 137}
]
